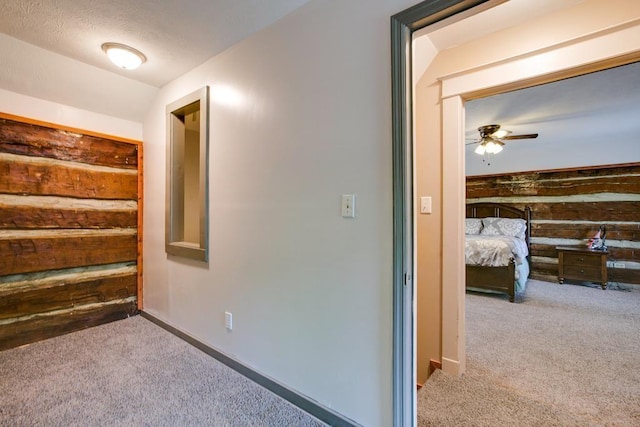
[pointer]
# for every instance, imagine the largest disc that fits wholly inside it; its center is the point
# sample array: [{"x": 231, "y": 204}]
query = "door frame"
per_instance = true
[{"x": 403, "y": 25}]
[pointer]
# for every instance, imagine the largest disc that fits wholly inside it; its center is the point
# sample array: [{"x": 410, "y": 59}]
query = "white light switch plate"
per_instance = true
[
  {"x": 425, "y": 205},
  {"x": 348, "y": 205},
  {"x": 228, "y": 320}
]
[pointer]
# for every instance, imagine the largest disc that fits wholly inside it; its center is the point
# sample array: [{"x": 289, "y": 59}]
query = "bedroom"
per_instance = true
[
  {"x": 440, "y": 158},
  {"x": 579, "y": 173},
  {"x": 573, "y": 183}
]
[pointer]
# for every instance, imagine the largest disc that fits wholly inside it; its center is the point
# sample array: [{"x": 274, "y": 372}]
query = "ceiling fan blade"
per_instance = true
[{"x": 524, "y": 136}]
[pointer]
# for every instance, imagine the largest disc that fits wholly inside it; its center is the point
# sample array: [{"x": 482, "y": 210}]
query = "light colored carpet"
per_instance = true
[
  {"x": 566, "y": 355},
  {"x": 133, "y": 373}
]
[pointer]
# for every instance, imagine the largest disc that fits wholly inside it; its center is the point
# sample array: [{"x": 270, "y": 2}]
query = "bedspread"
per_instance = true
[{"x": 494, "y": 251}]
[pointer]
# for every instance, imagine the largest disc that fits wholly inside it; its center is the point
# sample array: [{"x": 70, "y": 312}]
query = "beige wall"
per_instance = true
[
  {"x": 298, "y": 116},
  {"x": 22, "y": 105},
  {"x": 432, "y": 163}
]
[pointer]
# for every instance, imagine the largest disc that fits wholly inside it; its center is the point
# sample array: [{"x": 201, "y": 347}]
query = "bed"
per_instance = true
[{"x": 497, "y": 248}]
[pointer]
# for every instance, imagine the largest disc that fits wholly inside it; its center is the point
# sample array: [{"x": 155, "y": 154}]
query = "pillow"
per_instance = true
[
  {"x": 514, "y": 227},
  {"x": 472, "y": 225}
]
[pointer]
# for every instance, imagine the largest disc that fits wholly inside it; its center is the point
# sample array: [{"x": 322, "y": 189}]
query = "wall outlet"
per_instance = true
[
  {"x": 348, "y": 205},
  {"x": 228, "y": 320},
  {"x": 614, "y": 264}
]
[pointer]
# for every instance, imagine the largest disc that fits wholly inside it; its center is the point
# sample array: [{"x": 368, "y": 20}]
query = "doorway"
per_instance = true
[{"x": 445, "y": 137}]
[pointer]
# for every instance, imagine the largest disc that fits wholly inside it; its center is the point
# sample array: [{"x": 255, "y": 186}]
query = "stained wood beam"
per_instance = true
[
  {"x": 42, "y": 326},
  {"x": 36, "y": 176},
  {"x": 68, "y": 294},
  {"x": 39, "y": 141},
  {"x": 572, "y": 230},
  {"x": 28, "y": 254},
  {"x": 21, "y": 217}
]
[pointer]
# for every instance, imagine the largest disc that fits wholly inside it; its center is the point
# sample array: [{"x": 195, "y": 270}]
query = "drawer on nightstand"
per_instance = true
[
  {"x": 581, "y": 264},
  {"x": 579, "y": 271},
  {"x": 581, "y": 259}
]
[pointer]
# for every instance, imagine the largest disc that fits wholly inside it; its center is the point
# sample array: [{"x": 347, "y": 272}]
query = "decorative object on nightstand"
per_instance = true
[
  {"x": 596, "y": 243},
  {"x": 582, "y": 264}
]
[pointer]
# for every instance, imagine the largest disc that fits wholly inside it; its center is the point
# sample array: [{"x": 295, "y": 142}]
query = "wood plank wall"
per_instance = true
[
  {"x": 69, "y": 229},
  {"x": 568, "y": 206}
]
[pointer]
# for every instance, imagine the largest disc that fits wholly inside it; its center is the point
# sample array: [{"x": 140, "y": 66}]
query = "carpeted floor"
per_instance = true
[
  {"x": 565, "y": 356},
  {"x": 133, "y": 373}
]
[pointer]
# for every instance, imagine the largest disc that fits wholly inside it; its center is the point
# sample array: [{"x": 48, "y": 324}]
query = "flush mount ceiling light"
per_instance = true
[{"x": 124, "y": 56}]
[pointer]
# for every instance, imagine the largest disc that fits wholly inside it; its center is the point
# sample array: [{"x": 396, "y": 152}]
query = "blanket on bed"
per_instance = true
[{"x": 496, "y": 251}]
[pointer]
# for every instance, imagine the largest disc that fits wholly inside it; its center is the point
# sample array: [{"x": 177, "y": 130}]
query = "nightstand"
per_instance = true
[{"x": 582, "y": 264}]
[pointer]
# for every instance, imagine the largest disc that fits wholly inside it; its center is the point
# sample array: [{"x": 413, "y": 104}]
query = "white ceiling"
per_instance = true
[
  {"x": 175, "y": 35},
  {"x": 572, "y": 116},
  {"x": 597, "y": 107},
  {"x": 496, "y": 15},
  {"x": 51, "y": 50}
]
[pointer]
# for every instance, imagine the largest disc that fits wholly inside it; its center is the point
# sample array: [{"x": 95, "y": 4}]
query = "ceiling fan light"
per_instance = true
[
  {"x": 480, "y": 149},
  {"x": 497, "y": 148},
  {"x": 491, "y": 147},
  {"x": 124, "y": 56},
  {"x": 500, "y": 133}
]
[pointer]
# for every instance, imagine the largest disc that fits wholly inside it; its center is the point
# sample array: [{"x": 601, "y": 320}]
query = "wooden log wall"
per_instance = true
[
  {"x": 70, "y": 230},
  {"x": 567, "y": 208}
]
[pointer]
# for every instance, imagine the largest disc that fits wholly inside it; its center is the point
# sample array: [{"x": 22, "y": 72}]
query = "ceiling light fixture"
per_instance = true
[
  {"x": 500, "y": 133},
  {"x": 489, "y": 145},
  {"x": 124, "y": 56}
]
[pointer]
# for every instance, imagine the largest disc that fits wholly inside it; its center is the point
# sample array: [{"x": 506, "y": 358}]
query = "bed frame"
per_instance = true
[{"x": 498, "y": 279}]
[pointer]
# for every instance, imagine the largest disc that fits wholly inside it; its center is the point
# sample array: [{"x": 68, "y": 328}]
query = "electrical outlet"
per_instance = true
[
  {"x": 348, "y": 204},
  {"x": 228, "y": 320}
]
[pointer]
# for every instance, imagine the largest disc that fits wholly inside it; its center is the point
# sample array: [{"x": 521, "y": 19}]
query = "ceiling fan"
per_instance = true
[{"x": 491, "y": 139}]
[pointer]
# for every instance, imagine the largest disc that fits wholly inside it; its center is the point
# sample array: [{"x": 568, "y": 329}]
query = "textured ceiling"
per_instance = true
[
  {"x": 51, "y": 50},
  {"x": 175, "y": 35}
]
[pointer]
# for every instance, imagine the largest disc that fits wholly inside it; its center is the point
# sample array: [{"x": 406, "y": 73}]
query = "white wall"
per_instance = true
[
  {"x": 36, "y": 72},
  {"x": 525, "y": 158},
  {"x": 300, "y": 114},
  {"x": 53, "y": 112}
]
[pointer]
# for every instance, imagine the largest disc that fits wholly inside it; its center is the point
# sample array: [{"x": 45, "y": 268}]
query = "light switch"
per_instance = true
[
  {"x": 425, "y": 205},
  {"x": 228, "y": 320},
  {"x": 348, "y": 205}
]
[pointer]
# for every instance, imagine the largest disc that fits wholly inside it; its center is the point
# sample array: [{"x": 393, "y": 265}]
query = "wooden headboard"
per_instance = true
[{"x": 483, "y": 210}]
